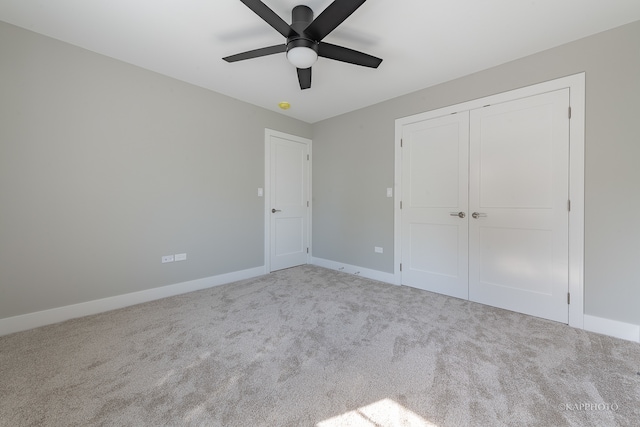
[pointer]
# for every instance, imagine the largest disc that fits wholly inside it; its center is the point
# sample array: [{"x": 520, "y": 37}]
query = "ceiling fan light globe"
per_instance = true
[{"x": 302, "y": 57}]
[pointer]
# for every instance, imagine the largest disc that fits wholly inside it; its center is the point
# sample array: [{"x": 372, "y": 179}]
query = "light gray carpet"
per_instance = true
[{"x": 314, "y": 347}]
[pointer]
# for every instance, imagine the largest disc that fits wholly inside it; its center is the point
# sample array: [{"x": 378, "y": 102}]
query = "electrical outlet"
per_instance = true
[
  {"x": 167, "y": 258},
  {"x": 377, "y": 249},
  {"x": 180, "y": 257}
]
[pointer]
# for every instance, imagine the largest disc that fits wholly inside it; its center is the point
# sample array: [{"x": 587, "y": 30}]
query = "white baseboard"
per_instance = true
[
  {"x": 9, "y": 325},
  {"x": 352, "y": 269},
  {"x": 24, "y": 322},
  {"x": 613, "y": 328}
]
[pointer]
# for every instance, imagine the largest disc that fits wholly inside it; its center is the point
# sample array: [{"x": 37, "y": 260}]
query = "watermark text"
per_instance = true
[{"x": 588, "y": 406}]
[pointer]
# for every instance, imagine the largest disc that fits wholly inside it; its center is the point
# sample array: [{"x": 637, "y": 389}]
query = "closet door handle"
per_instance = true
[
  {"x": 458, "y": 214},
  {"x": 275, "y": 210},
  {"x": 477, "y": 215}
]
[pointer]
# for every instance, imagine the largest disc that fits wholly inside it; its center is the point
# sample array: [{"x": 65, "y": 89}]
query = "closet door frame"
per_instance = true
[{"x": 576, "y": 85}]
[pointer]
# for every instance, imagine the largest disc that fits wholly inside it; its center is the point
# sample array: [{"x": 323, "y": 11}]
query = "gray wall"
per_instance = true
[
  {"x": 354, "y": 163},
  {"x": 105, "y": 167}
]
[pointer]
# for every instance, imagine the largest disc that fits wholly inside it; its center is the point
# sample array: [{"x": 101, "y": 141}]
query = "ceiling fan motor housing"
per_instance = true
[
  {"x": 301, "y": 17},
  {"x": 299, "y": 41}
]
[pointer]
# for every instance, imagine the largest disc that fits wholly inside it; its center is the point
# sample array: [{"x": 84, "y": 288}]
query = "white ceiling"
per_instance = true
[{"x": 421, "y": 42}]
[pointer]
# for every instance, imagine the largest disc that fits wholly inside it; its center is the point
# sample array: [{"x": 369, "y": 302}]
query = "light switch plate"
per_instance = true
[
  {"x": 389, "y": 192},
  {"x": 180, "y": 257}
]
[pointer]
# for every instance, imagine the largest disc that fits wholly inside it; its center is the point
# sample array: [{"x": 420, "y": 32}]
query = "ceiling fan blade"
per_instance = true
[
  {"x": 269, "y": 16},
  {"x": 339, "y": 53},
  {"x": 304, "y": 77},
  {"x": 279, "y": 48},
  {"x": 331, "y": 17}
]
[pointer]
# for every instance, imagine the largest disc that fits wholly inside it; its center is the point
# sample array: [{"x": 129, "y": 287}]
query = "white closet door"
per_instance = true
[
  {"x": 435, "y": 199},
  {"x": 518, "y": 244}
]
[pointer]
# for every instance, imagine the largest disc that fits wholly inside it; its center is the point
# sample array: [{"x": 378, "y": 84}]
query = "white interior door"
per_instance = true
[
  {"x": 288, "y": 203},
  {"x": 434, "y": 205},
  {"x": 519, "y": 191}
]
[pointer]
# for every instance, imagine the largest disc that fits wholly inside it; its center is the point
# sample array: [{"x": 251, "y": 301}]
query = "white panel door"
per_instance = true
[
  {"x": 518, "y": 195},
  {"x": 289, "y": 196},
  {"x": 434, "y": 205}
]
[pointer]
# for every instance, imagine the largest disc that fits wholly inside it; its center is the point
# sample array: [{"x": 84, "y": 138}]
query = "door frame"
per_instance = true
[
  {"x": 576, "y": 85},
  {"x": 268, "y": 133}
]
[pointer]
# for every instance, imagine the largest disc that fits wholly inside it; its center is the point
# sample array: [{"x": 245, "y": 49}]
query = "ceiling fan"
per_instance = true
[{"x": 304, "y": 37}]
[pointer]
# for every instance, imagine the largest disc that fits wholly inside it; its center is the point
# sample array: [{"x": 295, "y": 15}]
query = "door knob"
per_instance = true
[
  {"x": 477, "y": 215},
  {"x": 275, "y": 210},
  {"x": 458, "y": 214}
]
